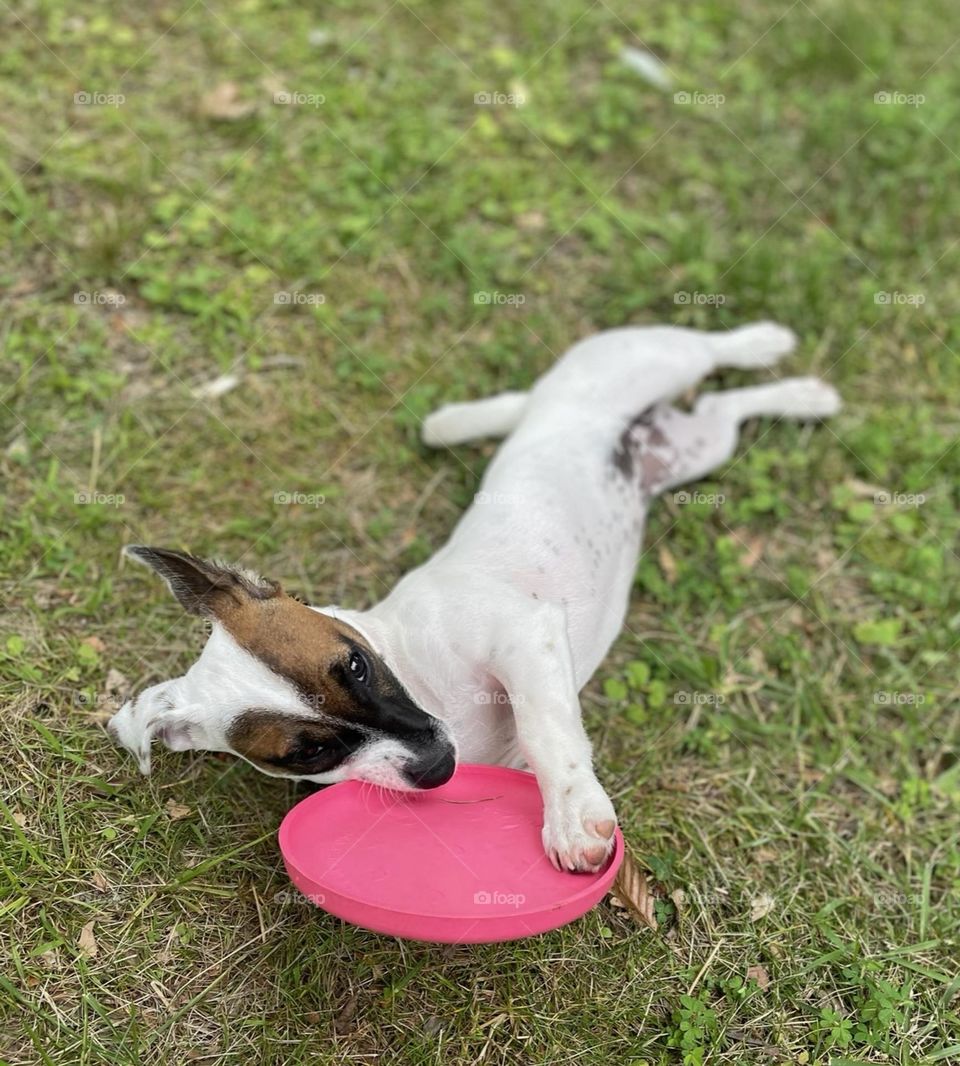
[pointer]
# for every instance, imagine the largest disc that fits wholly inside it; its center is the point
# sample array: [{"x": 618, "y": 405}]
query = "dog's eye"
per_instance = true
[
  {"x": 308, "y": 750},
  {"x": 358, "y": 666}
]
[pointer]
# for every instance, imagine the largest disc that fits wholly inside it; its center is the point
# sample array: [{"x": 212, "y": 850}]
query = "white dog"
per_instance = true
[{"x": 479, "y": 654}]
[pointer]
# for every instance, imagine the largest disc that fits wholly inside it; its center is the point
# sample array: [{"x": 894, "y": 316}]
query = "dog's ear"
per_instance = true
[{"x": 204, "y": 587}]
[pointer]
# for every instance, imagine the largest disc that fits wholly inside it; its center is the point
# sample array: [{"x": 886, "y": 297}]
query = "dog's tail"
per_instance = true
[
  {"x": 457, "y": 423},
  {"x": 761, "y": 344}
]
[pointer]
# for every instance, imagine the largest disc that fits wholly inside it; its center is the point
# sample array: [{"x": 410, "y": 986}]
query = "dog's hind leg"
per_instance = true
[
  {"x": 456, "y": 423},
  {"x": 669, "y": 447},
  {"x": 757, "y": 345}
]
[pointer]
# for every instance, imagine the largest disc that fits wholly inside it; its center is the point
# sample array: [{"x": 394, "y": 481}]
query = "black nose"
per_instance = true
[{"x": 432, "y": 769}]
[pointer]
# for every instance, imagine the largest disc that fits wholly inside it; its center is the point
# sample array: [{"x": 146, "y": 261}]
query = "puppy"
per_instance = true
[{"x": 480, "y": 653}]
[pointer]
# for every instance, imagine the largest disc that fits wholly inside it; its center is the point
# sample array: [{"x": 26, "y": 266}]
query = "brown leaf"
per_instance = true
[
  {"x": 216, "y": 387},
  {"x": 18, "y": 447},
  {"x": 759, "y": 974},
  {"x": 347, "y": 1013},
  {"x": 223, "y": 102},
  {"x": 272, "y": 84},
  {"x": 87, "y": 942},
  {"x": 116, "y": 684},
  {"x": 177, "y": 811},
  {"x": 761, "y": 906},
  {"x": 863, "y": 489},
  {"x": 667, "y": 564},
  {"x": 531, "y": 220},
  {"x": 173, "y": 938},
  {"x": 753, "y": 552},
  {"x": 631, "y": 887}
]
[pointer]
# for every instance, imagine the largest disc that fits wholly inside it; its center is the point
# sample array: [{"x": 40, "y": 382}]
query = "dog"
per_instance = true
[{"x": 481, "y": 653}]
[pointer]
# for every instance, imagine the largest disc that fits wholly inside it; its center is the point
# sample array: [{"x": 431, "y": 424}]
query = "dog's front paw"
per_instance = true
[{"x": 578, "y": 829}]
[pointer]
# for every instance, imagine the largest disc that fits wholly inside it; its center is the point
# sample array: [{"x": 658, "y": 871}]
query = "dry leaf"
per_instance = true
[
  {"x": 87, "y": 942},
  {"x": 224, "y": 102},
  {"x": 177, "y": 811},
  {"x": 631, "y": 887},
  {"x": 754, "y": 550},
  {"x": 863, "y": 489},
  {"x": 761, "y": 906},
  {"x": 759, "y": 974},
  {"x": 667, "y": 564},
  {"x": 18, "y": 448},
  {"x": 173, "y": 938},
  {"x": 273, "y": 85},
  {"x": 347, "y": 1013},
  {"x": 648, "y": 67},
  {"x": 211, "y": 390},
  {"x": 531, "y": 220},
  {"x": 116, "y": 683}
]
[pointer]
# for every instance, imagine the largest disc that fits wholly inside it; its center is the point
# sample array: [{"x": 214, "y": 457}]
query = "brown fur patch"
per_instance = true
[
  {"x": 294, "y": 641},
  {"x": 264, "y": 736},
  {"x": 276, "y": 741}
]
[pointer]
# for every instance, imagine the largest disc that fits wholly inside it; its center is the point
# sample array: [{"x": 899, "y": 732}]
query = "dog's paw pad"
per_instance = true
[{"x": 577, "y": 841}]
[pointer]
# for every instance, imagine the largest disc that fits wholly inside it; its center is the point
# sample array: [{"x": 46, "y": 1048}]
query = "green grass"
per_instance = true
[{"x": 778, "y": 723}]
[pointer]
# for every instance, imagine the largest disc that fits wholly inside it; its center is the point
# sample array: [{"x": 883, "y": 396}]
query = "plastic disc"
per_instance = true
[{"x": 462, "y": 863}]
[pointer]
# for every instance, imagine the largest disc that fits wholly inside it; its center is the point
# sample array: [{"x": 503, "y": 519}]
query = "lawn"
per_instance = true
[{"x": 245, "y": 248}]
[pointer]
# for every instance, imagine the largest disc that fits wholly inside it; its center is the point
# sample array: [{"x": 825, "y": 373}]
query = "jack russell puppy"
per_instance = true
[{"x": 480, "y": 654}]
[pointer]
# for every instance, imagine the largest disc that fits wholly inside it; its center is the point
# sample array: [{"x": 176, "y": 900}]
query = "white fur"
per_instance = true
[{"x": 498, "y": 632}]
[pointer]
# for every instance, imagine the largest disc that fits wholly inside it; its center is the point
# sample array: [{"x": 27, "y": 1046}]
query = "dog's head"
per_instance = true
[{"x": 291, "y": 689}]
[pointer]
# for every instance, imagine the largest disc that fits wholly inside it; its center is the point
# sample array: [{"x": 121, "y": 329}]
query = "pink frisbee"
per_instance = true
[{"x": 458, "y": 864}]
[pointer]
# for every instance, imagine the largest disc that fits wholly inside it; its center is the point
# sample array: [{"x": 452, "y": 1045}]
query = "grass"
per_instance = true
[{"x": 777, "y": 724}]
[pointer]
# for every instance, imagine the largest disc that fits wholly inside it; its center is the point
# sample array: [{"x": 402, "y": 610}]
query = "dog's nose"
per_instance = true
[{"x": 431, "y": 770}]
